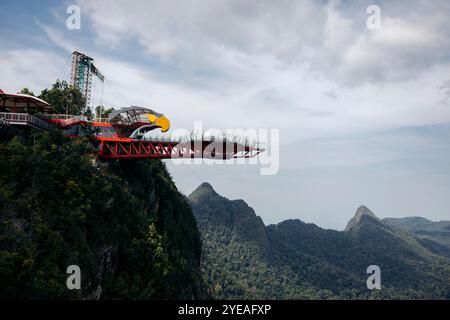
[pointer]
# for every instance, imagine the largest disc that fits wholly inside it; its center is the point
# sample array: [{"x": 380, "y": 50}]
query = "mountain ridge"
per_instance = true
[
  {"x": 434, "y": 235},
  {"x": 320, "y": 263}
]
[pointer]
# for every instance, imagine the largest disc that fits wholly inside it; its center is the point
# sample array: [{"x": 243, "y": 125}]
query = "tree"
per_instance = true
[
  {"x": 122, "y": 222},
  {"x": 66, "y": 99},
  {"x": 102, "y": 112},
  {"x": 27, "y": 91}
]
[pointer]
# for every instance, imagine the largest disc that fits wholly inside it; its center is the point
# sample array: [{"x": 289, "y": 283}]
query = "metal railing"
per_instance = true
[
  {"x": 100, "y": 120},
  {"x": 62, "y": 117},
  {"x": 26, "y": 119},
  {"x": 71, "y": 117}
]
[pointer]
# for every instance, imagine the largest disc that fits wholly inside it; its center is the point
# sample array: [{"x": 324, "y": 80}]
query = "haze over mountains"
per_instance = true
[
  {"x": 243, "y": 258},
  {"x": 433, "y": 235}
]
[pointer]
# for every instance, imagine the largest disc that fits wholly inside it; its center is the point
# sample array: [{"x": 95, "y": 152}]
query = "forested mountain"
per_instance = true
[
  {"x": 123, "y": 223},
  {"x": 235, "y": 244},
  {"x": 242, "y": 258},
  {"x": 433, "y": 235},
  {"x": 417, "y": 224}
]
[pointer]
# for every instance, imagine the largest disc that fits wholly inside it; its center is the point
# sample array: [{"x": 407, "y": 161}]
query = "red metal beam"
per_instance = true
[
  {"x": 113, "y": 149},
  {"x": 135, "y": 149}
]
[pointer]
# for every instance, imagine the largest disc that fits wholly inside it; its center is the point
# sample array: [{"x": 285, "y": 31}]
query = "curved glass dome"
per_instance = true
[{"x": 133, "y": 114}]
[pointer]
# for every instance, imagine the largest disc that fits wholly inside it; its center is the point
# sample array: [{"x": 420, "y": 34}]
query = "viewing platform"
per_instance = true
[{"x": 24, "y": 119}]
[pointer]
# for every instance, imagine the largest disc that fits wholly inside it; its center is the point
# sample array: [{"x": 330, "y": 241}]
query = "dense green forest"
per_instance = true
[
  {"x": 244, "y": 259},
  {"x": 123, "y": 222},
  {"x": 433, "y": 235}
]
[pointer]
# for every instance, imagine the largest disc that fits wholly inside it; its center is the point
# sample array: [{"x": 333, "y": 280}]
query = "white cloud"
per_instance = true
[
  {"x": 30, "y": 68},
  {"x": 287, "y": 99},
  {"x": 279, "y": 60},
  {"x": 331, "y": 38},
  {"x": 57, "y": 37}
]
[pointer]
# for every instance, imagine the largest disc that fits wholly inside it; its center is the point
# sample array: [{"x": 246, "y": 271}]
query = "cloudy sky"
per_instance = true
[{"x": 363, "y": 113}]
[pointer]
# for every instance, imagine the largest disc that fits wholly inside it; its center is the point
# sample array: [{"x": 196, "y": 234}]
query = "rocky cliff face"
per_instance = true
[
  {"x": 362, "y": 215},
  {"x": 124, "y": 223}
]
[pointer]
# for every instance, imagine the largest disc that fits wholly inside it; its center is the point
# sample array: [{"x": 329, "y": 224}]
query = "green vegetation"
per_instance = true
[
  {"x": 237, "y": 260},
  {"x": 68, "y": 100},
  {"x": 293, "y": 260},
  {"x": 65, "y": 99},
  {"x": 102, "y": 112},
  {"x": 27, "y": 91},
  {"x": 433, "y": 235},
  {"x": 123, "y": 222}
]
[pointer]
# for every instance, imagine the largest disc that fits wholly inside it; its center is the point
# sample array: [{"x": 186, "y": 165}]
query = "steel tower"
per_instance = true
[{"x": 81, "y": 74}]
